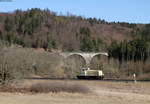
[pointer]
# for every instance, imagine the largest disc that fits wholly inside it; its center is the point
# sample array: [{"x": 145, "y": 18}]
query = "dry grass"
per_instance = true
[
  {"x": 103, "y": 93},
  {"x": 43, "y": 87},
  {"x": 57, "y": 87},
  {"x": 125, "y": 87}
]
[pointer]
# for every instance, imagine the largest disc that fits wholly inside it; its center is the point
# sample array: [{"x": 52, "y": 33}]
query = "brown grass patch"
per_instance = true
[{"x": 42, "y": 87}]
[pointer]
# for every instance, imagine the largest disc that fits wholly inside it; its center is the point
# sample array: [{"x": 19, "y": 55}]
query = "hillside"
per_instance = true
[
  {"x": 128, "y": 45},
  {"x": 45, "y": 29}
]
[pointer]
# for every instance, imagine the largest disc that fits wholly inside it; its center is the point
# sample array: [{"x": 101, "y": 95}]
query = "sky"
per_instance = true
[{"x": 132, "y": 11}]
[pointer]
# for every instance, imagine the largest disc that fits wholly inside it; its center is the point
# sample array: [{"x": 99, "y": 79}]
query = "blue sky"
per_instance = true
[{"x": 133, "y": 11}]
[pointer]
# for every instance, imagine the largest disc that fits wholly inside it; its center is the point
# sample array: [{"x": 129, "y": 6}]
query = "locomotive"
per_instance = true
[{"x": 87, "y": 73}]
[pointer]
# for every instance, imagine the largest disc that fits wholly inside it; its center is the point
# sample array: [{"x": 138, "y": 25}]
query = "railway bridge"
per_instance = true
[{"x": 85, "y": 55}]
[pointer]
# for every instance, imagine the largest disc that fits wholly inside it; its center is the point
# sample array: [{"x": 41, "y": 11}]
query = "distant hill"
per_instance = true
[{"x": 45, "y": 29}]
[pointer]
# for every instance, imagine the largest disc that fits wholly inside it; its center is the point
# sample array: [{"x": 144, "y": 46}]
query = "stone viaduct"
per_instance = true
[{"x": 86, "y": 56}]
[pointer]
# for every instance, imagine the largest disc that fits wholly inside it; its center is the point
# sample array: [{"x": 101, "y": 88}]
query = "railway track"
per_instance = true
[{"x": 105, "y": 79}]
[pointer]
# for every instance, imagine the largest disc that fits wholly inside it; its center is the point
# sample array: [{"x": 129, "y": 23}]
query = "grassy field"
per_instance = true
[{"x": 102, "y": 92}]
